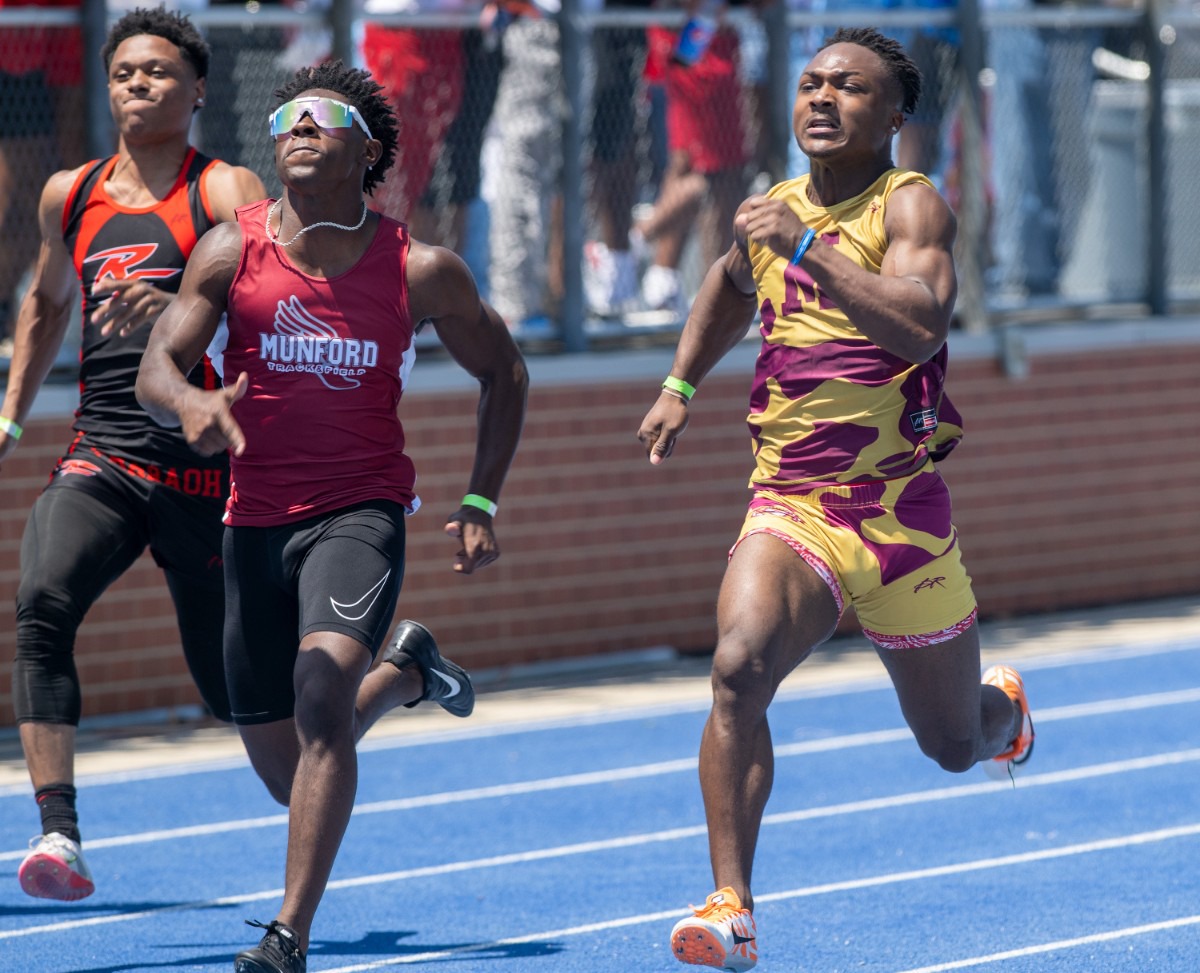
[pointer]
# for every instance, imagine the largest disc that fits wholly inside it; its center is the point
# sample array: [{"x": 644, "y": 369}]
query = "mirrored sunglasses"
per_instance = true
[{"x": 328, "y": 114}]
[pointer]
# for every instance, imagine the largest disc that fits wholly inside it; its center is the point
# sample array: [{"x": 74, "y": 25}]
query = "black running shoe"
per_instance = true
[
  {"x": 446, "y": 683},
  {"x": 279, "y": 951}
]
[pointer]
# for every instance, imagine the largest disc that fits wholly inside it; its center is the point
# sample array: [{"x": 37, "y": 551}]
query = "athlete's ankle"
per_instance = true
[
  {"x": 56, "y": 803},
  {"x": 742, "y": 890}
]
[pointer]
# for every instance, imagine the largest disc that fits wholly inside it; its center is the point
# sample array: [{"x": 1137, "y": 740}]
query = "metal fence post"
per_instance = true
[
  {"x": 1156, "y": 162},
  {"x": 973, "y": 208},
  {"x": 573, "y": 35},
  {"x": 101, "y": 137},
  {"x": 779, "y": 92},
  {"x": 341, "y": 23}
]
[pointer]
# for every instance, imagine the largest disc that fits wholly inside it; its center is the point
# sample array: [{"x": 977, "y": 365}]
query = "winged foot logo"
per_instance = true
[{"x": 302, "y": 342}]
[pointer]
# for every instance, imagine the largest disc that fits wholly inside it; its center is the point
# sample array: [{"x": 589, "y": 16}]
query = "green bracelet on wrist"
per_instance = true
[
  {"x": 11, "y": 427},
  {"x": 673, "y": 384},
  {"x": 481, "y": 503}
]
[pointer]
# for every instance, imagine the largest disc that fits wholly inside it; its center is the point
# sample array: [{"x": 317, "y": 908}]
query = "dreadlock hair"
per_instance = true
[
  {"x": 173, "y": 27},
  {"x": 899, "y": 65},
  {"x": 364, "y": 93}
]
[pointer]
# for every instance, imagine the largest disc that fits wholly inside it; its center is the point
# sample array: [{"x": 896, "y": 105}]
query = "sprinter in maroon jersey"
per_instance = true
[
  {"x": 321, "y": 297},
  {"x": 121, "y": 228}
]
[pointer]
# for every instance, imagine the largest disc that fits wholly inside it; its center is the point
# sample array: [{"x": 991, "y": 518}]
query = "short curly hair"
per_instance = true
[
  {"x": 900, "y": 66},
  {"x": 174, "y": 27},
  {"x": 364, "y": 93}
]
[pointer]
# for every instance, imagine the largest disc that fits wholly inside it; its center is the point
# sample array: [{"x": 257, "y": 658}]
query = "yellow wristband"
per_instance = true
[
  {"x": 482, "y": 503},
  {"x": 12, "y": 428}
]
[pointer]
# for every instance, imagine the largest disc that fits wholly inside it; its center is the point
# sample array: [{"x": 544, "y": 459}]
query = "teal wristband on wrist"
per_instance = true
[
  {"x": 480, "y": 503},
  {"x": 673, "y": 384}
]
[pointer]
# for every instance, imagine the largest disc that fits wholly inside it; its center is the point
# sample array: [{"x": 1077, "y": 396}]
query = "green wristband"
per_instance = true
[
  {"x": 12, "y": 428},
  {"x": 482, "y": 503},
  {"x": 673, "y": 384}
]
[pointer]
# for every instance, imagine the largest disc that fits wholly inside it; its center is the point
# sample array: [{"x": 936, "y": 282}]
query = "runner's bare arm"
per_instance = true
[
  {"x": 229, "y": 187},
  {"x": 45, "y": 311},
  {"x": 442, "y": 291},
  {"x": 720, "y": 317},
  {"x": 178, "y": 342}
]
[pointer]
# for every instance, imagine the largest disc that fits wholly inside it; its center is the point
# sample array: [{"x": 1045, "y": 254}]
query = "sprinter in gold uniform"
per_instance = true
[{"x": 852, "y": 273}]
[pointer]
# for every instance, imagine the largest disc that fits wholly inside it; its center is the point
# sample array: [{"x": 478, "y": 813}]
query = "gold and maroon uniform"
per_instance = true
[{"x": 845, "y": 435}]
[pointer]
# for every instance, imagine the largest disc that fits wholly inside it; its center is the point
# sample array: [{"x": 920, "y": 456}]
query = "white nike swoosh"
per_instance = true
[
  {"x": 454, "y": 684},
  {"x": 372, "y": 593}
]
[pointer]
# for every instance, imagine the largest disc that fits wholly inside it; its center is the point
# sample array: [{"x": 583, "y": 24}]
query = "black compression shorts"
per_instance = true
[{"x": 339, "y": 572}]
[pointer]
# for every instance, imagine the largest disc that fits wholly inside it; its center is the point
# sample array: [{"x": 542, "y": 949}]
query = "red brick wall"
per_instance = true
[{"x": 1075, "y": 486}]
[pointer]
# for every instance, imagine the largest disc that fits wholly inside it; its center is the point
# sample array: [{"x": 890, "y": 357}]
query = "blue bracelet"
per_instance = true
[{"x": 805, "y": 243}]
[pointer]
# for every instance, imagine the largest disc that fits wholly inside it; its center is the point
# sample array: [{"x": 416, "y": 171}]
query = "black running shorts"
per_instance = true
[{"x": 338, "y": 572}]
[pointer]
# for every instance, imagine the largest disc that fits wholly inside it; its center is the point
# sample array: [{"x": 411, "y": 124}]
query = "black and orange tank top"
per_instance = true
[{"x": 109, "y": 240}]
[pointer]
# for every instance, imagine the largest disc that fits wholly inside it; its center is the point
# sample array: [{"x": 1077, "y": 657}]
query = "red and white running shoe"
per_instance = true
[{"x": 55, "y": 869}]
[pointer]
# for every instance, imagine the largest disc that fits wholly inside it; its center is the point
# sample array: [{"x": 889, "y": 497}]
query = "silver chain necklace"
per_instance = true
[{"x": 274, "y": 238}]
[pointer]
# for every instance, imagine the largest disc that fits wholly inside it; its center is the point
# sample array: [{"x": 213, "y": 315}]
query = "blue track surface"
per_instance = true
[{"x": 574, "y": 847}]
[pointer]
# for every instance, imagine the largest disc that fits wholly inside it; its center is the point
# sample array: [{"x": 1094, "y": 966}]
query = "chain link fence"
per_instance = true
[
  {"x": 41, "y": 107},
  {"x": 588, "y": 168}
]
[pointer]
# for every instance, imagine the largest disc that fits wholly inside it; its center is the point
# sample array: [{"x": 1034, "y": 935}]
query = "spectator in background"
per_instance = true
[
  {"x": 232, "y": 126},
  {"x": 705, "y": 178},
  {"x": 610, "y": 263},
  {"x": 444, "y": 81},
  {"x": 529, "y": 113},
  {"x": 422, "y": 74},
  {"x": 441, "y": 215},
  {"x": 41, "y": 106},
  {"x": 934, "y": 50},
  {"x": 1039, "y": 175}
]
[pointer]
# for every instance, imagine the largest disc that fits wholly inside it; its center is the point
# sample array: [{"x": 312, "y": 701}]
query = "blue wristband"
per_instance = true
[{"x": 805, "y": 243}]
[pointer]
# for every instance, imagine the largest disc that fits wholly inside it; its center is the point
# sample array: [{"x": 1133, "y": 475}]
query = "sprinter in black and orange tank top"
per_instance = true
[{"x": 120, "y": 230}]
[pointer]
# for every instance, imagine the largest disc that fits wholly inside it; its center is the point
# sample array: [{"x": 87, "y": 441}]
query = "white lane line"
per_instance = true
[
  {"x": 984, "y": 787},
  {"x": 1006, "y": 861},
  {"x": 683, "y": 765},
  {"x": 1105, "y": 653},
  {"x": 672, "y": 834},
  {"x": 1100, "y": 937},
  {"x": 1126, "y": 704}
]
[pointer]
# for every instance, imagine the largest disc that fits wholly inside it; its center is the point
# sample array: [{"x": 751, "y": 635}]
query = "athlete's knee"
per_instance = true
[
  {"x": 48, "y": 615},
  {"x": 45, "y": 681},
  {"x": 276, "y": 777},
  {"x": 273, "y": 760},
  {"x": 955, "y": 756},
  {"x": 211, "y": 683},
  {"x": 279, "y": 788},
  {"x": 742, "y": 678},
  {"x": 217, "y": 707},
  {"x": 324, "y": 710}
]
